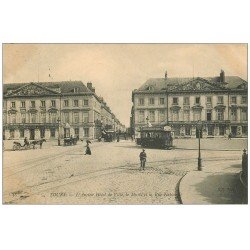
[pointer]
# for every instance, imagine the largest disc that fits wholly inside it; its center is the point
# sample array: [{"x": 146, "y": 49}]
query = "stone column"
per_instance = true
[
  {"x": 239, "y": 131},
  {"x": 216, "y": 130},
  {"x": 72, "y": 132},
  {"x": 16, "y": 134},
  {"x": 204, "y": 131},
  {"x": 182, "y": 131},
  {"x": 81, "y": 132},
  {"x": 193, "y": 131},
  {"x": 27, "y": 133},
  {"x": 7, "y": 134},
  {"x": 37, "y": 134},
  {"x": 56, "y": 133},
  {"x": 227, "y": 130},
  {"x": 47, "y": 133},
  {"x": 91, "y": 133}
]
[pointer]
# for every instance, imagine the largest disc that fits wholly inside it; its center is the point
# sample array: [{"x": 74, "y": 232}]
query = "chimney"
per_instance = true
[
  {"x": 166, "y": 74},
  {"x": 222, "y": 76},
  {"x": 89, "y": 85}
]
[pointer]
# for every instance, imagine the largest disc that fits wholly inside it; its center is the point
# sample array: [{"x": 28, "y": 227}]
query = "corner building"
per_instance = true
[
  {"x": 52, "y": 110},
  {"x": 218, "y": 103}
]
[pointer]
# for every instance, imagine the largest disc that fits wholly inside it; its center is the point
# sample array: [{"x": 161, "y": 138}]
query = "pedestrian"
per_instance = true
[
  {"x": 88, "y": 151},
  {"x": 143, "y": 158},
  {"x": 118, "y": 137},
  {"x": 229, "y": 136}
]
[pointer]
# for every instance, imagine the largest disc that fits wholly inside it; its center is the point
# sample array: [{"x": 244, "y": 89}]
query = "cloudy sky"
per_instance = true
[{"x": 116, "y": 69}]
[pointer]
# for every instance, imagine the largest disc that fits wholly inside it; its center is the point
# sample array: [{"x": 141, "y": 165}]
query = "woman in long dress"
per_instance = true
[{"x": 88, "y": 151}]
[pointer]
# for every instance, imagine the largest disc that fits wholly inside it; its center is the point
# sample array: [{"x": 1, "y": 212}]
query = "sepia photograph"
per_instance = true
[{"x": 125, "y": 124}]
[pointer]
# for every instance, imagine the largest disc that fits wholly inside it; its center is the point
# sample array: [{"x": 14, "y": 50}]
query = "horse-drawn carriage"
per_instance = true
[
  {"x": 69, "y": 141},
  {"x": 27, "y": 144}
]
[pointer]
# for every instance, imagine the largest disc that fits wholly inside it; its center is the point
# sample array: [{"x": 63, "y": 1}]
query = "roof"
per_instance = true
[
  {"x": 64, "y": 86},
  {"x": 231, "y": 82}
]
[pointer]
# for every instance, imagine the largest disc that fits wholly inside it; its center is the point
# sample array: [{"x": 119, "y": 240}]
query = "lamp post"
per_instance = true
[
  {"x": 59, "y": 142},
  {"x": 199, "y": 127}
]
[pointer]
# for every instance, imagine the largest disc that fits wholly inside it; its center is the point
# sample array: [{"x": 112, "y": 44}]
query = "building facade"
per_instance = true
[
  {"x": 52, "y": 110},
  {"x": 219, "y": 104}
]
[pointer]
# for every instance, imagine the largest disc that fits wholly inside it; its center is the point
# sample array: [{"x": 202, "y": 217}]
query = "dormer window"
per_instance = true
[
  {"x": 150, "y": 88},
  {"x": 76, "y": 90}
]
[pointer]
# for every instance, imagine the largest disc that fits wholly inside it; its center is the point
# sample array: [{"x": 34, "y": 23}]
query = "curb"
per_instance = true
[
  {"x": 241, "y": 180},
  {"x": 178, "y": 189}
]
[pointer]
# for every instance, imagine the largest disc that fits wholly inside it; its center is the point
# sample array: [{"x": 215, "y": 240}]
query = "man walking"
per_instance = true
[{"x": 143, "y": 157}]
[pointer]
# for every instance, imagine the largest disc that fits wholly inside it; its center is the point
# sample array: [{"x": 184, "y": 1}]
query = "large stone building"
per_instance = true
[
  {"x": 54, "y": 110},
  {"x": 218, "y": 103}
]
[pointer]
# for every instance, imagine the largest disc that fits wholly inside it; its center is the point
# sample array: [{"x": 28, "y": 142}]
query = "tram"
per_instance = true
[{"x": 156, "y": 137}]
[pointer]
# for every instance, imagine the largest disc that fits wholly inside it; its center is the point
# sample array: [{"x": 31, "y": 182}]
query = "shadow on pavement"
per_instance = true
[{"x": 222, "y": 188}]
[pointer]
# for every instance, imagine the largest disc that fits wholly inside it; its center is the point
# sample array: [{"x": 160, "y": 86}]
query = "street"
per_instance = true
[{"x": 111, "y": 175}]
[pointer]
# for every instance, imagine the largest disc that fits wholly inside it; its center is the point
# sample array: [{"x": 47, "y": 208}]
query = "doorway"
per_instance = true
[
  {"x": 32, "y": 134},
  {"x": 234, "y": 131}
]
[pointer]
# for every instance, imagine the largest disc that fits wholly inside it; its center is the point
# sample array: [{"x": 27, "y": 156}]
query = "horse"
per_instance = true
[{"x": 37, "y": 142}]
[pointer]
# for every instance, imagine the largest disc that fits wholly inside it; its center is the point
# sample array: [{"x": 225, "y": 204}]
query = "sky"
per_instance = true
[{"x": 115, "y": 70}]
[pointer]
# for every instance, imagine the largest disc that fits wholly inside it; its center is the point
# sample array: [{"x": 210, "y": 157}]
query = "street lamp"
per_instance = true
[
  {"x": 199, "y": 128},
  {"x": 58, "y": 120}
]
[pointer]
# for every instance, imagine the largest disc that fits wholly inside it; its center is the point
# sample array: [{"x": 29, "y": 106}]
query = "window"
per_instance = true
[
  {"x": 76, "y": 117},
  {"x": 53, "y": 117},
  {"x": 220, "y": 99},
  {"x": 244, "y": 115},
  {"x": 23, "y": 104},
  {"x": 210, "y": 130},
  {"x": 151, "y": 101},
  {"x": 161, "y": 115},
  {"x": 141, "y": 101},
  {"x": 42, "y": 132},
  {"x": 53, "y": 103},
  {"x": 162, "y": 101},
  {"x": 151, "y": 116},
  {"x": 23, "y": 118},
  {"x": 186, "y": 115},
  {"x": 13, "y": 118},
  {"x": 197, "y": 100},
  {"x": 233, "y": 99},
  {"x": 21, "y": 133},
  {"x": 86, "y": 102},
  {"x": 66, "y": 103},
  {"x": 220, "y": 115},
  {"x": 175, "y": 100},
  {"x": 209, "y": 99},
  {"x": 175, "y": 114},
  {"x": 43, "y": 104},
  {"x": 76, "y": 103},
  {"x": 234, "y": 114},
  {"x": 221, "y": 130},
  {"x": 86, "y": 117},
  {"x": 243, "y": 99},
  {"x": 86, "y": 132},
  {"x": 33, "y": 118},
  {"x": 43, "y": 117},
  {"x": 209, "y": 115},
  {"x": 33, "y": 104},
  {"x": 141, "y": 116},
  {"x": 197, "y": 115},
  {"x": 13, "y": 104},
  {"x": 186, "y": 100},
  {"x": 66, "y": 117}
]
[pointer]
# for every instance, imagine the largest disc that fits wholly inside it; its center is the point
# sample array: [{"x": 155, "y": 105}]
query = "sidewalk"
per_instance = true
[{"x": 213, "y": 185}]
